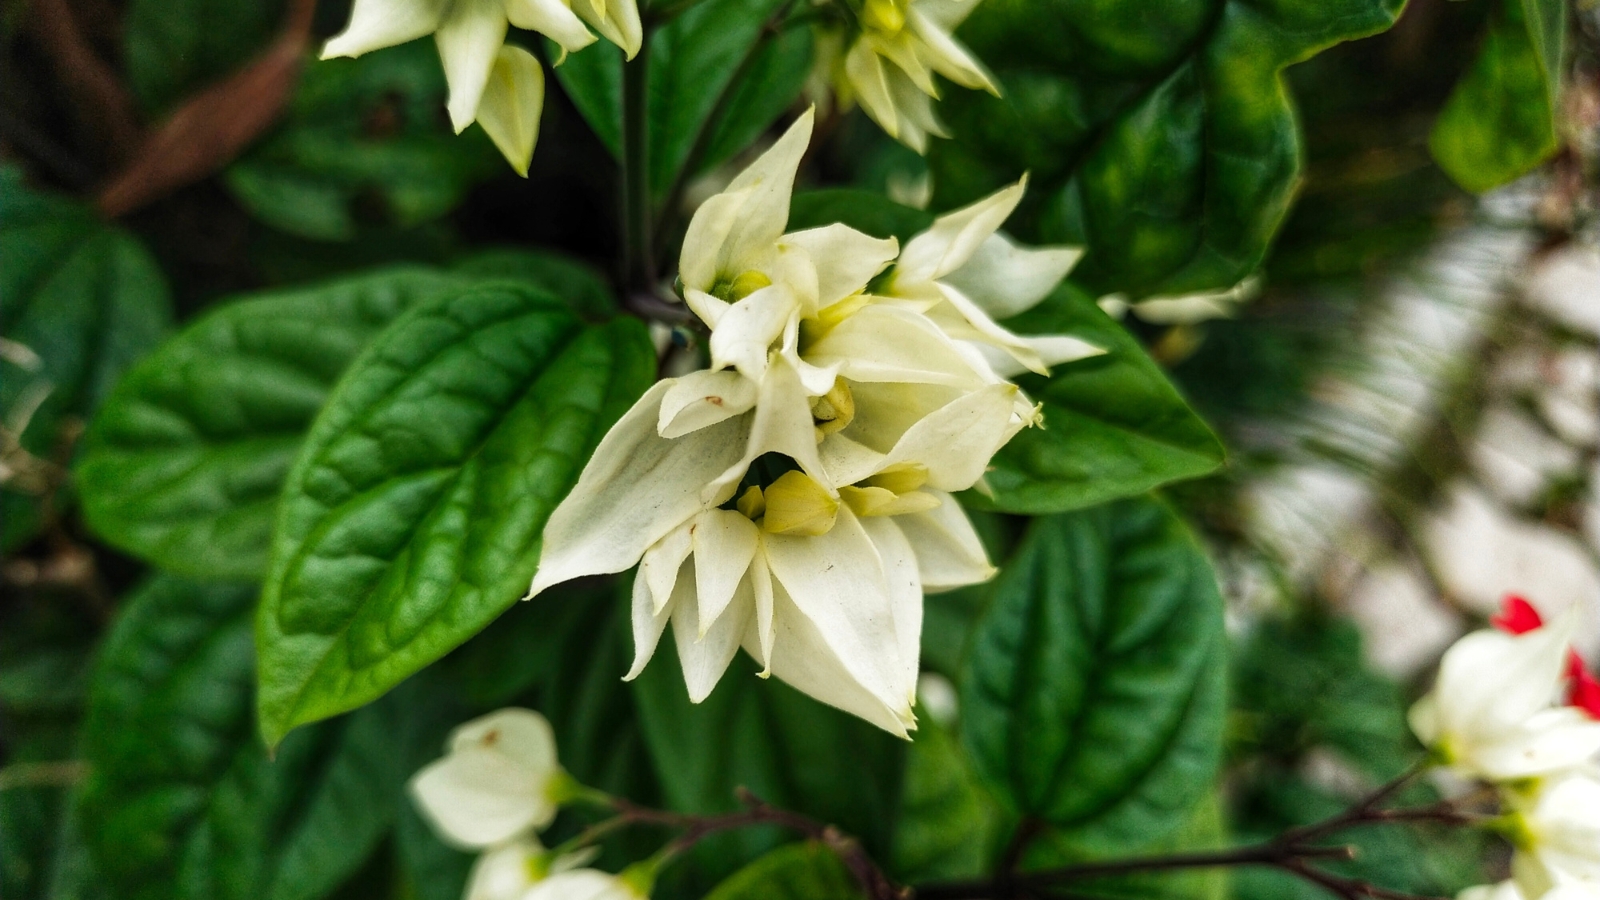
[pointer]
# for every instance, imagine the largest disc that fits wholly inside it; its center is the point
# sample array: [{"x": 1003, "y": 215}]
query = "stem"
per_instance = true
[{"x": 639, "y": 274}]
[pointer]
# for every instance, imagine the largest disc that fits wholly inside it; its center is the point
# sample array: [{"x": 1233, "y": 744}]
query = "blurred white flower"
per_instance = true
[
  {"x": 1493, "y": 714},
  {"x": 496, "y": 84},
  {"x": 1556, "y": 831},
  {"x": 1508, "y": 890},
  {"x": 890, "y": 64},
  {"x": 586, "y": 884},
  {"x": 499, "y": 781}
]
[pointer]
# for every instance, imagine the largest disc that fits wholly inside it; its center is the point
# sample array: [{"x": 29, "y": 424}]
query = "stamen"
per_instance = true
[{"x": 796, "y": 504}]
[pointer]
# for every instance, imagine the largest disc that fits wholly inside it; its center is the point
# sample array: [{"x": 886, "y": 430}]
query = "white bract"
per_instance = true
[
  {"x": 1508, "y": 890},
  {"x": 499, "y": 782},
  {"x": 1556, "y": 830},
  {"x": 889, "y": 66},
  {"x": 498, "y": 85},
  {"x": 1493, "y": 713},
  {"x": 585, "y": 884}
]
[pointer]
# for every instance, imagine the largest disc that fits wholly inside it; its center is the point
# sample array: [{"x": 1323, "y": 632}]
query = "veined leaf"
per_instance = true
[
  {"x": 413, "y": 515},
  {"x": 182, "y": 802},
  {"x": 1160, "y": 134},
  {"x": 1094, "y": 694}
]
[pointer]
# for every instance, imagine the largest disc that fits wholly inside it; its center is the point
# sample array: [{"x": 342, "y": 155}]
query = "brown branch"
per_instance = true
[{"x": 95, "y": 84}]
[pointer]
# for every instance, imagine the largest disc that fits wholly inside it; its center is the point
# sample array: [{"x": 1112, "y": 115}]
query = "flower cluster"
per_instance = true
[
  {"x": 498, "y": 85},
  {"x": 1515, "y": 707},
  {"x": 497, "y": 787},
  {"x": 794, "y": 499}
]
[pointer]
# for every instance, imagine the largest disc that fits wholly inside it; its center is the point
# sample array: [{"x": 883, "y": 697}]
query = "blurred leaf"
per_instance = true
[
  {"x": 1202, "y": 830},
  {"x": 1094, "y": 694},
  {"x": 176, "y": 47},
  {"x": 949, "y": 823},
  {"x": 865, "y": 211},
  {"x": 412, "y": 517},
  {"x": 1114, "y": 425},
  {"x": 801, "y": 871},
  {"x": 1500, "y": 123},
  {"x": 182, "y": 801},
  {"x": 785, "y": 747},
  {"x": 365, "y": 143},
  {"x": 184, "y": 464},
  {"x": 694, "y": 60},
  {"x": 1159, "y": 134},
  {"x": 584, "y": 289},
  {"x": 82, "y": 301}
]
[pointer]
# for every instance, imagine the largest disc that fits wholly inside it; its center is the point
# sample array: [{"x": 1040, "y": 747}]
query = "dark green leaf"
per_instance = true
[
  {"x": 412, "y": 517},
  {"x": 176, "y": 47},
  {"x": 949, "y": 823},
  {"x": 182, "y": 802},
  {"x": 365, "y": 143},
  {"x": 763, "y": 735},
  {"x": 184, "y": 463},
  {"x": 82, "y": 301},
  {"x": 1202, "y": 831},
  {"x": 1094, "y": 695},
  {"x": 718, "y": 49},
  {"x": 1500, "y": 122},
  {"x": 802, "y": 871},
  {"x": 1159, "y": 134},
  {"x": 1114, "y": 426},
  {"x": 865, "y": 211},
  {"x": 584, "y": 289}
]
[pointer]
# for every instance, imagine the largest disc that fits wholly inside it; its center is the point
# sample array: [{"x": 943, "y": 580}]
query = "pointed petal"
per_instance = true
[
  {"x": 885, "y": 343},
  {"x": 703, "y": 243},
  {"x": 1554, "y": 740},
  {"x": 901, "y": 51},
  {"x": 636, "y": 489},
  {"x": 905, "y": 597},
  {"x": 648, "y": 622},
  {"x": 782, "y": 424},
  {"x": 949, "y": 554},
  {"x": 1005, "y": 278},
  {"x": 761, "y": 586},
  {"x": 663, "y": 561},
  {"x": 837, "y": 581},
  {"x": 957, "y": 441},
  {"x": 946, "y": 14},
  {"x": 617, "y": 20},
  {"x": 866, "y": 73},
  {"x": 375, "y": 24},
  {"x": 724, "y": 543},
  {"x": 955, "y": 237},
  {"x": 746, "y": 332},
  {"x": 553, "y": 19},
  {"x": 469, "y": 40},
  {"x": 704, "y": 659},
  {"x": 946, "y": 55},
  {"x": 513, "y": 100},
  {"x": 702, "y": 399},
  {"x": 1025, "y": 351},
  {"x": 1490, "y": 683},
  {"x": 845, "y": 259}
]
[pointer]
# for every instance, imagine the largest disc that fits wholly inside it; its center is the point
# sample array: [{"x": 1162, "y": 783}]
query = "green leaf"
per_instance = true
[
  {"x": 364, "y": 145},
  {"x": 949, "y": 823},
  {"x": 83, "y": 301},
  {"x": 801, "y": 871},
  {"x": 1114, "y": 425},
  {"x": 1159, "y": 134},
  {"x": 412, "y": 517},
  {"x": 1203, "y": 830},
  {"x": 584, "y": 289},
  {"x": 716, "y": 52},
  {"x": 1094, "y": 694},
  {"x": 1500, "y": 121},
  {"x": 763, "y": 735},
  {"x": 865, "y": 211},
  {"x": 182, "y": 802},
  {"x": 184, "y": 464},
  {"x": 176, "y": 47}
]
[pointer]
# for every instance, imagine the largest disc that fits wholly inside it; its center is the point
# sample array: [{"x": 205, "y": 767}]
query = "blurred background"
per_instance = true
[{"x": 1409, "y": 387}]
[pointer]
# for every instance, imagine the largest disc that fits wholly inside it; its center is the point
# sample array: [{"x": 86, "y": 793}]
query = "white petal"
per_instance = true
[
  {"x": 771, "y": 182},
  {"x": 375, "y": 24},
  {"x": 662, "y": 562},
  {"x": 905, "y": 596},
  {"x": 521, "y": 735},
  {"x": 703, "y": 243},
  {"x": 946, "y": 55},
  {"x": 955, "y": 237},
  {"x": 1005, "y": 278},
  {"x": 1490, "y": 683},
  {"x": 747, "y": 331},
  {"x": 802, "y": 657},
  {"x": 618, "y": 20},
  {"x": 702, "y": 399},
  {"x": 648, "y": 621},
  {"x": 1552, "y": 740},
  {"x": 885, "y": 411},
  {"x": 1506, "y": 890},
  {"x": 946, "y": 14},
  {"x": 513, "y": 100},
  {"x": 704, "y": 659},
  {"x": 553, "y": 19},
  {"x": 949, "y": 554},
  {"x": 885, "y": 343},
  {"x": 868, "y": 77},
  {"x": 494, "y": 783},
  {"x": 914, "y": 108},
  {"x": 845, "y": 259},
  {"x": 901, "y": 52},
  {"x": 469, "y": 40},
  {"x": 724, "y": 543},
  {"x": 782, "y": 424},
  {"x": 1565, "y": 827},
  {"x": 1024, "y": 350},
  {"x": 503, "y": 873},
  {"x": 636, "y": 488},
  {"x": 761, "y": 586},
  {"x": 957, "y": 441},
  {"x": 582, "y": 884},
  {"x": 837, "y": 581}
]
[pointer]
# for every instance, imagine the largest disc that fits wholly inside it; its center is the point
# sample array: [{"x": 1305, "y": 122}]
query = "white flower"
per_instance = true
[
  {"x": 963, "y": 274},
  {"x": 499, "y": 781},
  {"x": 1556, "y": 832},
  {"x": 1492, "y": 713},
  {"x": 1508, "y": 890},
  {"x": 585, "y": 884},
  {"x": 890, "y": 65},
  {"x": 498, "y": 85}
]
